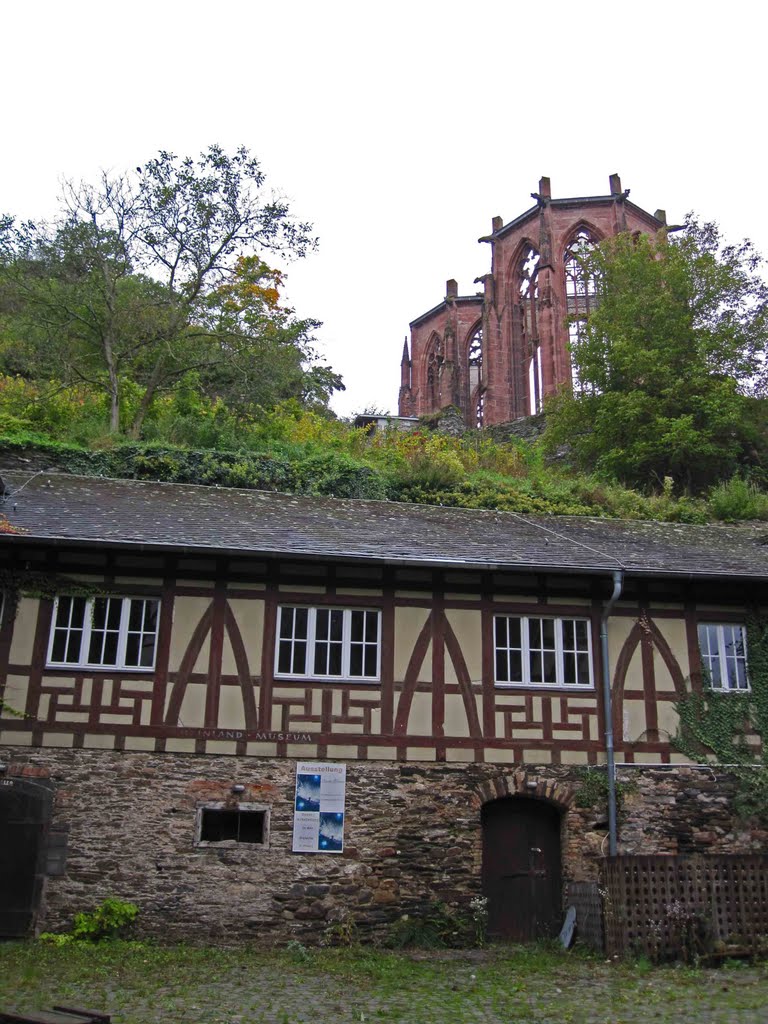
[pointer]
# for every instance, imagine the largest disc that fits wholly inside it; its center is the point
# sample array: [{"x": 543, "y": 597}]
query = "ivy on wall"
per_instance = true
[
  {"x": 729, "y": 729},
  {"x": 15, "y": 584},
  {"x": 593, "y": 789}
]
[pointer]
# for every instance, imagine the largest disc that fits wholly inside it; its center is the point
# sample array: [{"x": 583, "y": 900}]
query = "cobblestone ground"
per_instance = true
[{"x": 151, "y": 985}]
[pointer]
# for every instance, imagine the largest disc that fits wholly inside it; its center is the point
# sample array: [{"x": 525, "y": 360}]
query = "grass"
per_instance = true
[{"x": 146, "y": 984}]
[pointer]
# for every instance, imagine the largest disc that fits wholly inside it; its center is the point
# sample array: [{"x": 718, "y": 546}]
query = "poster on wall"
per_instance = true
[{"x": 318, "y": 813}]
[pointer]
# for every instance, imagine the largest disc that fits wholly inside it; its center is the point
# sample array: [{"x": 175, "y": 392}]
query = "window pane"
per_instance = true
[
  {"x": 569, "y": 668},
  {"x": 114, "y": 612},
  {"x": 132, "y": 650},
  {"x": 536, "y": 667},
  {"x": 299, "y": 657},
  {"x": 321, "y": 624},
  {"x": 135, "y": 616},
  {"x": 58, "y": 651},
  {"x": 284, "y": 656},
  {"x": 534, "y": 632},
  {"x": 582, "y": 634},
  {"x": 334, "y": 662},
  {"x": 582, "y": 660},
  {"x": 502, "y": 672},
  {"x": 500, "y": 625},
  {"x": 99, "y": 613},
  {"x": 110, "y": 649},
  {"x": 550, "y": 667},
  {"x": 356, "y": 660},
  {"x": 569, "y": 634},
  {"x": 286, "y": 622},
  {"x": 301, "y": 622},
  {"x": 74, "y": 641},
  {"x": 515, "y": 666},
  {"x": 337, "y": 624},
  {"x": 372, "y": 627},
  {"x": 151, "y": 609},
  {"x": 371, "y": 666},
  {"x": 356, "y": 626},
  {"x": 321, "y": 658},
  {"x": 63, "y": 611}
]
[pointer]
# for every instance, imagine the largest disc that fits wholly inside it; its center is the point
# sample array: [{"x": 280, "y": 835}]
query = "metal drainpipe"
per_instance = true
[{"x": 618, "y": 581}]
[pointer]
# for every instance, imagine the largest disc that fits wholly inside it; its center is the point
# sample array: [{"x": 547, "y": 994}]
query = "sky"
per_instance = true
[{"x": 399, "y": 130}]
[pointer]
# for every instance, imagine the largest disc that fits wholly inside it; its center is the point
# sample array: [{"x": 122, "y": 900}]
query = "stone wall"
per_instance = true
[{"x": 412, "y": 836}]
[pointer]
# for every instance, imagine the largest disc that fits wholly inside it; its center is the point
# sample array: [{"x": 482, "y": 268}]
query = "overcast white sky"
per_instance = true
[{"x": 399, "y": 129}]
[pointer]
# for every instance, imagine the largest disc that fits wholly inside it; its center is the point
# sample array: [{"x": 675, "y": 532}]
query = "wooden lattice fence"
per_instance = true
[{"x": 667, "y": 907}]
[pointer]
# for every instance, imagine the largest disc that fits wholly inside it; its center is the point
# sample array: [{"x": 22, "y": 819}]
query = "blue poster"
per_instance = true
[{"x": 318, "y": 816}]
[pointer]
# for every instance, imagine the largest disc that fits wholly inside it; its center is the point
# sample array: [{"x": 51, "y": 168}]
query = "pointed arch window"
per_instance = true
[
  {"x": 475, "y": 357},
  {"x": 528, "y": 290},
  {"x": 434, "y": 362},
  {"x": 581, "y": 295}
]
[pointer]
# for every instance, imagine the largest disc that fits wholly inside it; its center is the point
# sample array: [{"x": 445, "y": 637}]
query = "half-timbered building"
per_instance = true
[{"x": 169, "y": 654}]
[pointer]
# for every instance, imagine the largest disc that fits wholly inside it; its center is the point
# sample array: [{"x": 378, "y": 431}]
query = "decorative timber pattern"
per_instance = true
[{"x": 214, "y": 688}]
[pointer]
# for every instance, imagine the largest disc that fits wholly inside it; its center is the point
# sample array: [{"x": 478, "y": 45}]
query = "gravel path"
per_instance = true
[{"x": 153, "y": 985}]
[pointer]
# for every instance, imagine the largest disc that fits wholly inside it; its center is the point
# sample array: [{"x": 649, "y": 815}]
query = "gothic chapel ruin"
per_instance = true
[{"x": 497, "y": 354}]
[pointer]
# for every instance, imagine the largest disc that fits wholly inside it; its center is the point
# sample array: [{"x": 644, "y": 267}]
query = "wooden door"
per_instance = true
[
  {"x": 25, "y": 812},
  {"x": 521, "y": 868}
]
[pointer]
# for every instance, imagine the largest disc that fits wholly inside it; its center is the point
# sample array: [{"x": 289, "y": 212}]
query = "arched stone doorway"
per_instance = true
[{"x": 522, "y": 868}]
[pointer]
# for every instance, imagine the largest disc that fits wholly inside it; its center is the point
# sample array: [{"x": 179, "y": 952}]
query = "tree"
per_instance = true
[
  {"x": 138, "y": 282},
  {"x": 667, "y": 359},
  {"x": 265, "y": 355}
]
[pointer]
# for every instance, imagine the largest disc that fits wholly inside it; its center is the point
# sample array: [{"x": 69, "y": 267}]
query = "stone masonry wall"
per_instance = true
[{"x": 412, "y": 836}]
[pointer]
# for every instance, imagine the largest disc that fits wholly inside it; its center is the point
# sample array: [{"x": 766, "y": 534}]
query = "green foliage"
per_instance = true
[
  {"x": 593, "y": 789},
  {"x": 293, "y": 449},
  {"x": 137, "y": 983},
  {"x": 342, "y": 932},
  {"x": 730, "y": 728},
  {"x": 108, "y": 920},
  {"x": 435, "y": 926},
  {"x": 737, "y": 499},
  {"x": 675, "y": 343},
  {"x": 155, "y": 281},
  {"x": 298, "y": 952}
]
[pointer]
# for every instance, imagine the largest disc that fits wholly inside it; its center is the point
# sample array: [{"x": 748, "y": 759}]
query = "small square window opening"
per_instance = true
[{"x": 218, "y": 824}]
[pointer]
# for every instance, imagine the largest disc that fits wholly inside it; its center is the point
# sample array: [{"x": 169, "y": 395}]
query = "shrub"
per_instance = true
[
  {"x": 108, "y": 920},
  {"x": 436, "y": 926},
  {"x": 736, "y": 499}
]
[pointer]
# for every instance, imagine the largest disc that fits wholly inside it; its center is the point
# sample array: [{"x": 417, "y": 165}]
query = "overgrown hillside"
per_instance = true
[{"x": 194, "y": 440}]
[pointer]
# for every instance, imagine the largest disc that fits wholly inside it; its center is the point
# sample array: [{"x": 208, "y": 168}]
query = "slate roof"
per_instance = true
[{"x": 74, "y": 510}]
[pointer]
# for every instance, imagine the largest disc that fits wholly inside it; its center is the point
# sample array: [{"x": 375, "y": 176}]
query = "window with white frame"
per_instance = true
[
  {"x": 542, "y": 651},
  {"x": 328, "y": 643},
  {"x": 104, "y": 632},
  {"x": 723, "y": 649}
]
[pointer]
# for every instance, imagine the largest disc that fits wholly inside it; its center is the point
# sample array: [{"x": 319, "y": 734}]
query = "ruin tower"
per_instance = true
[{"x": 499, "y": 353}]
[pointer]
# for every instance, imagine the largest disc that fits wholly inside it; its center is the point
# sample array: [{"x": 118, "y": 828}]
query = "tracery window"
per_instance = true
[
  {"x": 475, "y": 369},
  {"x": 528, "y": 289},
  {"x": 581, "y": 295}
]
